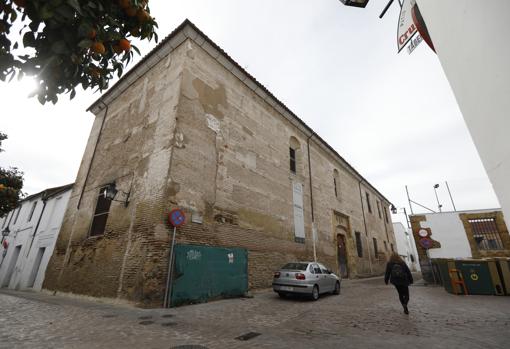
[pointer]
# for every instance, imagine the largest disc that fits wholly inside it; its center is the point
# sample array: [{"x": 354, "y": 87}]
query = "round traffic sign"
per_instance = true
[
  {"x": 177, "y": 217},
  {"x": 426, "y": 243}
]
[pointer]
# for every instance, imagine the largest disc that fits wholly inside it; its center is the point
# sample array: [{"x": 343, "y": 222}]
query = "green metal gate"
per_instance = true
[{"x": 202, "y": 273}]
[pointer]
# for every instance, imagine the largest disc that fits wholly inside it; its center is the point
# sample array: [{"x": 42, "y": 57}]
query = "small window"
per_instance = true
[
  {"x": 385, "y": 210},
  {"x": 336, "y": 183},
  {"x": 324, "y": 269},
  {"x": 359, "y": 246},
  {"x": 316, "y": 269},
  {"x": 31, "y": 211},
  {"x": 392, "y": 250},
  {"x": 292, "y": 154},
  {"x": 101, "y": 214},
  {"x": 385, "y": 246},
  {"x": 412, "y": 258},
  {"x": 376, "y": 252},
  {"x": 379, "y": 209},
  {"x": 17, "y": 215},
  {"x": 486, "y": 234},
  {"x": 368, "y": 202}
]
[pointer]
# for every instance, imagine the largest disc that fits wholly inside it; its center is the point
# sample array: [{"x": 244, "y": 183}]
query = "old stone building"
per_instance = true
[{"x": 188, "y": 127}]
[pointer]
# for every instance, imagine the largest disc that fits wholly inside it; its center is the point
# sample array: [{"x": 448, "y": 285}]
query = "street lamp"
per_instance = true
[
  {"x": 439, "y": 206},
  {"x": 394, "y": 210},
  {"x": 355, "y": 3},
  {"x": 111, "y": 191}
]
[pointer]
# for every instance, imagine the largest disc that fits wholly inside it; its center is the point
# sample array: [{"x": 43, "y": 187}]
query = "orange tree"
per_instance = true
[
  {"x": 11, "y": 182},
  {"x": 69, "y": 43}
]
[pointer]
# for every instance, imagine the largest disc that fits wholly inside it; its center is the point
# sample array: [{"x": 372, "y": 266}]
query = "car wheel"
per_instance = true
[
  {"x": 315, "y": 292},
  {"x": 337, "y": 288},
  {"x": 282, "y": 294}
]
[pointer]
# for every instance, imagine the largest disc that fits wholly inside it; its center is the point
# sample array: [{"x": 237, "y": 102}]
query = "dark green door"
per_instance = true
[
  {"x": 476, "y": 276},
  {"x": 202, "y": 273}
]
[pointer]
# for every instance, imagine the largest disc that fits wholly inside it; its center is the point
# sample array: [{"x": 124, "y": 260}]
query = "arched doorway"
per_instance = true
[{"x": 342, "y": 256}]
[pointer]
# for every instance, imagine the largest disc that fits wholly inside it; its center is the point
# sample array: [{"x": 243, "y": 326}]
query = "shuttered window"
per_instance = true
[
  {"x": 101, "y": 214},
  {"x": 359, "y": 246}
]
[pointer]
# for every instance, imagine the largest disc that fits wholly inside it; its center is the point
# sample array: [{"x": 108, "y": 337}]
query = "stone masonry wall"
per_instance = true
[{"x": 190, "y": 134}]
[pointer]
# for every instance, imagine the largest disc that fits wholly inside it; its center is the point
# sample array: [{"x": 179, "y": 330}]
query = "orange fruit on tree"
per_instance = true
[
  {"x": 92, "y": 34},
  {"x": 117, "y": 49},
  {"x": 130, "y": 11},
  {"x": 124, "y": 3},
  {"x": 135, "y": 31},
  {"x": 124, "y": 44},
  {"x": 20, "y": 3},
  {"x": 98, "y": 47},
  {"x": 142, "y": 15}
]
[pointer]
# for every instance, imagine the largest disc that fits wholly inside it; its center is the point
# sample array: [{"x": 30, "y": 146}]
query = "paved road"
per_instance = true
[{"x": 365, "y": 315}]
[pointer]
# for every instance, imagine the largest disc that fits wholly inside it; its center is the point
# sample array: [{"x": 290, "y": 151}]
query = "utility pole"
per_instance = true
[{"x": 451, "y": 198}]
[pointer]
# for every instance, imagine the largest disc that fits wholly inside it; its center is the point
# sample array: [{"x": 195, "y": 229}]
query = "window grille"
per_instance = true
[{"x": 486, "y": 234}]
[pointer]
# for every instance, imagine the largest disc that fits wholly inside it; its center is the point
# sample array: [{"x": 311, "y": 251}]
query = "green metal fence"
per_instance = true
[{"x": 202, "y": 273}]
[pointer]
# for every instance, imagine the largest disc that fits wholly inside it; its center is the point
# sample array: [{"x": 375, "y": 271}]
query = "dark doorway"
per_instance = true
[
  {"x": 12, "y": 265},
  {"x": 342, "y": 256},
  {"x": 36, "y": 266}
]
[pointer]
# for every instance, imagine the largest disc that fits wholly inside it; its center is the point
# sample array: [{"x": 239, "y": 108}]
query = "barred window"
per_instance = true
[{"x": 486, "y": 234}]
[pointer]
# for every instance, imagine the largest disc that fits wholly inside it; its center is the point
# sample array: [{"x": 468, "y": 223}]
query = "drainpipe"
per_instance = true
[
  {"x": 93, "y": 154},
  {"x": 314, "y": 233},
  {"x": 366, "y": 231}
]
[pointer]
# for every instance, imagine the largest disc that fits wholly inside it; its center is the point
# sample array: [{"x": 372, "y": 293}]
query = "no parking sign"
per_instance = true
[{"x": 176, "y": 217}]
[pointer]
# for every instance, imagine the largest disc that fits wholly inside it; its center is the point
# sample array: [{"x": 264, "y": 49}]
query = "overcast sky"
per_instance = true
[{"x": 392, "y": 116}]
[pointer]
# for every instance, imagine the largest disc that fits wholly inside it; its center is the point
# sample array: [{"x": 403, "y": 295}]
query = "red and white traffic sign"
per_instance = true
[{"x": 176, "y": 217}]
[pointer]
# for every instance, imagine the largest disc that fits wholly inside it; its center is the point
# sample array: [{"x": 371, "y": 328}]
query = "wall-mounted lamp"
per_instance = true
[
  {"x": 394, "y": 210},
  {"x": 355, "y": 3},
  {"x": 6, "y": 231},
  {"x": 111, "y": 191}
]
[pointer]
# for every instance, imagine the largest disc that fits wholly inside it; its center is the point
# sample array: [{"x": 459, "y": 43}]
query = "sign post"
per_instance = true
[{"x": 176, "y": 218}]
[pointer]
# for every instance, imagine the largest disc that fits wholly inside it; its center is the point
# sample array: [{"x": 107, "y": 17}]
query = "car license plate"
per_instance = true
[{"x": 286, "y": 288}]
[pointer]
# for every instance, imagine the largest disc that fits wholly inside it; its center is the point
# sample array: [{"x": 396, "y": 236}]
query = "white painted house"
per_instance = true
[
  {"x": 30, "y": 233},
  {"x": 471, "y": 41},
  {"x": 406, "y": 247}
]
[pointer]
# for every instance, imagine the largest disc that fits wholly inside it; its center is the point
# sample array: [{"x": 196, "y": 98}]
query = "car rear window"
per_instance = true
[{"x": 295, "y": 266}]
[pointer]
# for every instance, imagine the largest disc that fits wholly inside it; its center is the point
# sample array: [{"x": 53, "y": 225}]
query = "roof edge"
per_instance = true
[{"x": 174, "y": 39}]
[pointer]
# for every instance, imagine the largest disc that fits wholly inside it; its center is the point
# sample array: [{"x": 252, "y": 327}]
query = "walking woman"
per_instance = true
[{"x": 400, "y": 276}]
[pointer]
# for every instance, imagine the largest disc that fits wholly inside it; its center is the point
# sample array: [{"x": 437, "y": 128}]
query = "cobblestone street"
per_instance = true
[{"x": 365, "y": 315}]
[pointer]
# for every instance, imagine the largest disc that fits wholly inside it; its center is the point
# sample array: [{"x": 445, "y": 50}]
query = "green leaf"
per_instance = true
[
  {"x": 60, "y": 47},
  {"x": 29, "y": 39},
  {"x": 75, "y": 4},
  {"x": 85, "y": 43}
]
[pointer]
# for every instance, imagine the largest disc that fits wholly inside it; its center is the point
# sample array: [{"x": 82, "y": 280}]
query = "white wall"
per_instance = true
[
  {"x": 447, "y": 228},
  {"x": 22, "y": 235},
  {"x": 405, "y": 246},
  {"x": 471, "y": 40}
]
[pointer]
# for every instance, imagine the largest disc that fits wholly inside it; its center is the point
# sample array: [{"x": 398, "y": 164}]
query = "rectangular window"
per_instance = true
[
  {"x": 32, "y": 211},
  {"x": 17, "y": 215},
  {"x": 378, "y": 209},
  {"x": 100, "y": 215},
  {"x": 292, "y": 153},
  {"x": 392, "y": 250},
  {"x": 336, "y": 191},
  {"x": 385, "y": 246},
  {"x": 385, "y": 210},
  {"x": 359, "y": 247},
  {"x": 368, "y": 202},
  {"x": 486, "y": 234},
  {"x": 375, "y": 246}
]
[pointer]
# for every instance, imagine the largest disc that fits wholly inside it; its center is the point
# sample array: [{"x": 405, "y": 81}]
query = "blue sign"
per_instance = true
[{"x": 177, "y": 217}]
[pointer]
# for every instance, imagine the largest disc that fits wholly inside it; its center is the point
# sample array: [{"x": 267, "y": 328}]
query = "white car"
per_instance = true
[{"x": 306, "y": 278}]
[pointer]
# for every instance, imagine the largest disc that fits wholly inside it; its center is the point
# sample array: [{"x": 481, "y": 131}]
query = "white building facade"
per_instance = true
[
  {"x": 29, "y": 235},
  {"x": 406, "y": 247},
  {"x": 471, "y": 41}
]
